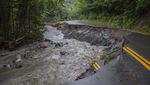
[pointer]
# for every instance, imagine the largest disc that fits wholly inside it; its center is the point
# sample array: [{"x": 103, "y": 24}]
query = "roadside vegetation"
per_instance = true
[
  {"x": 20, "y": 19},
  {"x": 24, "y": 19},
  {"x": 127, "y": 14}
]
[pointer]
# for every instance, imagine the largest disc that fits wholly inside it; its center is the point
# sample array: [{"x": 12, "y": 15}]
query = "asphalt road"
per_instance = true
[
  {"x": 139, "y": 43},
  {"x": 125, "y": 70}
]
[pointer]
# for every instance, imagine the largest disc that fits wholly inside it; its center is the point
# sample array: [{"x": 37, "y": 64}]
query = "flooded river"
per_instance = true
[{"x": 64, "y": 58}]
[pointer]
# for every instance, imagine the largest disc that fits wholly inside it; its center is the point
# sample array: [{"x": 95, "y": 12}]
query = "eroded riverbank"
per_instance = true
[{"x": 63, "y": 55}]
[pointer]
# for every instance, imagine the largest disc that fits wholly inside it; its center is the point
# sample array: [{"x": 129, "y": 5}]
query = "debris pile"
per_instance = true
[{"x": 63, "y": 55}]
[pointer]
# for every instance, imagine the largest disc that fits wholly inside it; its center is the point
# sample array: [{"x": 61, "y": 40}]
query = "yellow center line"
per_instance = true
[
  {"x": 98, "y": 66},
  {"x": 137, "y": 58},
  {"x": 146, "y": 61},
  {"x": 95, "y": 67}
]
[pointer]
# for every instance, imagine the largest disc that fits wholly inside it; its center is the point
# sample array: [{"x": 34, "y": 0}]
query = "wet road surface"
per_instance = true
[
  {"x": 125, "y": 70},
  {"x": 140, "y": 43},
  {"x": 122, "y": 71}
]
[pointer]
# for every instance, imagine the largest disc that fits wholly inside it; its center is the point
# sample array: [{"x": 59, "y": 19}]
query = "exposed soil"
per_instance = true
[{"x": 63, "y": 56}]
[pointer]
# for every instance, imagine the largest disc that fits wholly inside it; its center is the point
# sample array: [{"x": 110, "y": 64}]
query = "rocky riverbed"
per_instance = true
[{"x": 62, "y": 56}]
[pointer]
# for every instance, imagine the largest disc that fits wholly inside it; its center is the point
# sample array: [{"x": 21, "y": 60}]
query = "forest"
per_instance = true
[
  {"x": 24, "y": 19},
  {"x": 74, "y": 42}
]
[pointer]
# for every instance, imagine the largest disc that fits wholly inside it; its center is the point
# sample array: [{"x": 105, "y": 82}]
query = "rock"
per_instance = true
[
  {"x": 63, "y": 53},
  {"x": 44, "y": 44},
  {"x": 65, "y": 58},
  {"x": 55, "y": 57},
  {"x": 18, "y": 63},
  {"x": 58, "y": 44},
  {"x": 18, "y": 58},
  {"x": 7, "y": 66}
]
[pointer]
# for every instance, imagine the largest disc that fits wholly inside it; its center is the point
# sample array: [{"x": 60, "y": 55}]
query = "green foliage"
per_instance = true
[
  {"x": 20, "y": 18},
  {"x": 128, "y": 8},
  {"x": 53, "y": 9},
  {"x": 25, "y": 17},
  {"x": 111, "y": 13}
]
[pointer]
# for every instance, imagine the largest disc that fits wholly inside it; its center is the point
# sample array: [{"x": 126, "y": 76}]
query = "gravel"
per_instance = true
[{"x": 59, "y": 60}]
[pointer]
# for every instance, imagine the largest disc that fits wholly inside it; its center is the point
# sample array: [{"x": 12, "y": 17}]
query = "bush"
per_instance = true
[{"x": 111, "y": 13}]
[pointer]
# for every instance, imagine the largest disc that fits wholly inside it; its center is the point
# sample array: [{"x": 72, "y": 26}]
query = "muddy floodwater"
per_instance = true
[{"x": 61, "y": 57}]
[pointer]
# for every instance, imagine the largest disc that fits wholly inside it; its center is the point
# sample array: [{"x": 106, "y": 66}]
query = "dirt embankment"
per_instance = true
[{"x": 63, "y": 55}]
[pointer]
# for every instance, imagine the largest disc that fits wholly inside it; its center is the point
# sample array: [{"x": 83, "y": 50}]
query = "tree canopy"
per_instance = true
[
  {"x": 115, "y": 13},
  {"x": 129, "y": 8},
  {"x": 20, "y": 18},
  {"x": 25, "y": 18}
]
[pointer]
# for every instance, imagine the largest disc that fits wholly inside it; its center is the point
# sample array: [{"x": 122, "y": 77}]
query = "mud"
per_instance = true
[{"x": 64, "y": 58}]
